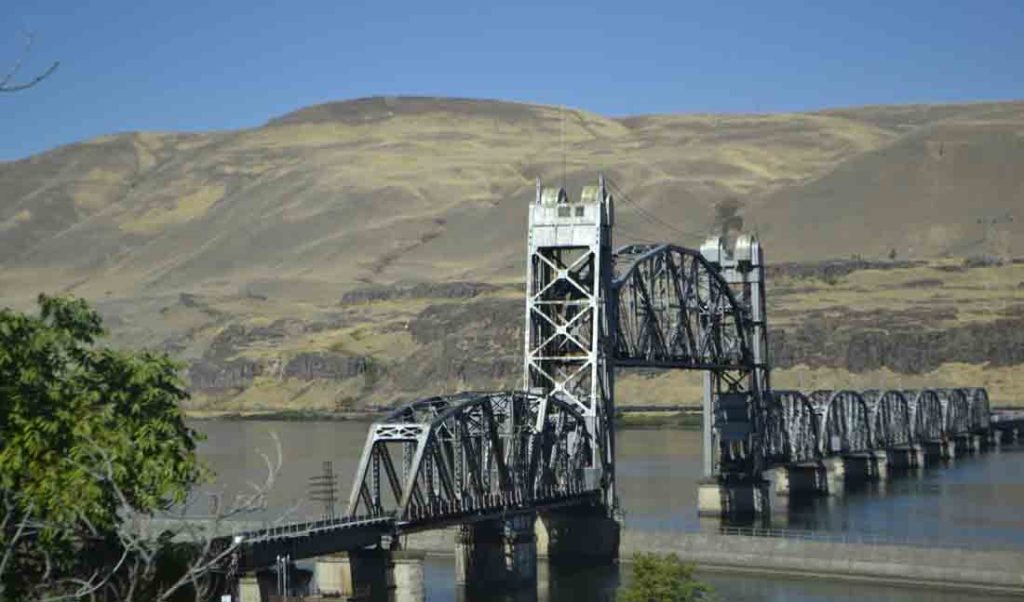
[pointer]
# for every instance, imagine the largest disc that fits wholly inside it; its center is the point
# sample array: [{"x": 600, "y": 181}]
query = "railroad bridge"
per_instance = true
[{"x": 534, "y": 468}]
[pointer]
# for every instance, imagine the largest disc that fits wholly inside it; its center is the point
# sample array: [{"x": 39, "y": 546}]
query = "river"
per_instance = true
[{"x": 977, "y": 501}]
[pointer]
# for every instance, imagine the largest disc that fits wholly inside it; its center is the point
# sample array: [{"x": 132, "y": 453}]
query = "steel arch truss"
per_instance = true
[
  {"x": 845, "y": 422},
  {"x": 473, "y": 454},
  {"x": 674, "y": 310},
  {"x": 928, "y": 419},
  {"x": 980, "y": 412},
  {"x": 956, "y": 412},
  {"x": 891, "y": 425},
  {"x": 793, "y": 428}
]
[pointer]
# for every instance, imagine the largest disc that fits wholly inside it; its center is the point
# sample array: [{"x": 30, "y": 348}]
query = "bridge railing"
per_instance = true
[{"x": 291, "y": 529}]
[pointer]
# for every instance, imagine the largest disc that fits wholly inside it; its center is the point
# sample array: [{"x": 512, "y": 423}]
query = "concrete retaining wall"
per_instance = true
[
  {"x": 950, "y": 568},
  {"x": 972, "y": 569}
]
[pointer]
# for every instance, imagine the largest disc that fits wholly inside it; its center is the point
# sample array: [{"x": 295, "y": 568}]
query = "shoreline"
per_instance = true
[
  {"x": 632, "y": 417},
  {"x": 643, "y": 417},
  {"x": 964, "y": 570}
]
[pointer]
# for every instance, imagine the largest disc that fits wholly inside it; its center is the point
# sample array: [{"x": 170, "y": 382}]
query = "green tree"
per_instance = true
[
  {"x": 88, "y": 436},
  {"x": 663, "y": 578}
]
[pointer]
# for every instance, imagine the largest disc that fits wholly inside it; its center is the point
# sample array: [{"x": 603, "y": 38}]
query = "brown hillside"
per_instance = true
[{"x": 362, "y": 250}]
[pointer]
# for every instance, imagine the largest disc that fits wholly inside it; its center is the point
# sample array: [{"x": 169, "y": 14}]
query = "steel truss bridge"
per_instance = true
[
  {"x": 806, "y": 428},
  {"x": 589, "y": 310}
]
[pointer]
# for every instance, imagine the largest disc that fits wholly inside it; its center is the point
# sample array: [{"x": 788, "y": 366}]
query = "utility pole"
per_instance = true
[{"x": 323, "y": 488}]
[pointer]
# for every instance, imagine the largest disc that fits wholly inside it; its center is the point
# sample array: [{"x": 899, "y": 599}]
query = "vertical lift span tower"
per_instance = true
[
  {"x": 569, "y": 350},
  {"x": 572, "y": 324},
  {"x": 736, "y": 397}
]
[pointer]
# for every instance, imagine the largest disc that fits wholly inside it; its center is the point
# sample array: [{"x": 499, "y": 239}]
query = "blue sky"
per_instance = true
[{"x": 179, "y": 65}]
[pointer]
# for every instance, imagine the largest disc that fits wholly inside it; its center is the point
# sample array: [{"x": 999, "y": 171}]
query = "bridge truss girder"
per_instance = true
[
  {"x": 683, "y": 309},
  {"x": 473, "y": 455},
  {"x": 804, "y": 428}
]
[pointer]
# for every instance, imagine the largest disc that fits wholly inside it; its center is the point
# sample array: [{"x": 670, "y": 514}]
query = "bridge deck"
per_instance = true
[{"x": 260, "y": 547}]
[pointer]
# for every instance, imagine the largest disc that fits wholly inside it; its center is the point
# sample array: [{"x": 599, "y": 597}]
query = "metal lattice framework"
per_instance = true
[
  {"x": 793, "y": 428},
  {"x": 676, "y": 311},
  {"x": 589, "y": 310},
  {"x": 684, "y": 309},
  {"x": 956, "y": 411},
  {"x": 802, "y": 428},
  {"x": 890, "y": 419},
  {"x": 473, "y": 454},
  {"x": 928, "y": 420},
  {"x": 568, "y": 331},
  {"x": 980, "y": 412},
  {"x": 845, "y": 421}
]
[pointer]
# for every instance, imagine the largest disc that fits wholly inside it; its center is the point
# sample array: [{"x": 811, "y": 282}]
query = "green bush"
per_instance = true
[{"x": 663, "y": 578}]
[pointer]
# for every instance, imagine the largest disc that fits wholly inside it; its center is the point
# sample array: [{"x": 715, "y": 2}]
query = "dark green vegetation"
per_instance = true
[
  {"x": 663, "y": 578},
  {"x": 359, "y": 253},
  {"x": 89, "y": 438},
  {"x": 675, "y": 420}
]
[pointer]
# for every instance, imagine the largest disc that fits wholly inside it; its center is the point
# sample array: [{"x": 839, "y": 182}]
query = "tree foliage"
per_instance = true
[
  {"x": 86, "y": 434},
  {"x": 663, "y": 578}
]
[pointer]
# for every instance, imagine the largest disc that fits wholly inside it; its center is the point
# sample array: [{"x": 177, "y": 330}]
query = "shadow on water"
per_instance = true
[
  {"x": 554, "y": 584},
  {"x": 600, "y": 584}
]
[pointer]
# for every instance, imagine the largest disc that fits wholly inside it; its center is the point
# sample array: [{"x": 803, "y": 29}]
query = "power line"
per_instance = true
[
  {"x": 632, "y": 236},
  {"x": 650, "y": 216}
]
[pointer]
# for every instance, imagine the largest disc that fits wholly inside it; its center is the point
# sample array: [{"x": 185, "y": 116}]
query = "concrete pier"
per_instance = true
[
  {"x": 496, "y": 553},
  {"x": 745, "y": 498},
  {"x": 374, "y": 575},
  {"x": 358, "y": 575},
  {"x": 939, "y": 450},
  {"x": 835, "y": 475},
  {"x": 795, "y": 481},
  {"x": 881, "y": 467},
  {"x": 967, "y": 445},
  {"x": 407, "y": 577},
  {"x": 249, "y": 590},
  {"x": 900, "y": 459},
  {"x": 867, "y": 466},
  {"x": 578, "y": 536}
]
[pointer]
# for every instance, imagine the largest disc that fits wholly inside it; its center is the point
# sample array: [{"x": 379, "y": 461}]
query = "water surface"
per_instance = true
[{"x": 976, "y": 501}]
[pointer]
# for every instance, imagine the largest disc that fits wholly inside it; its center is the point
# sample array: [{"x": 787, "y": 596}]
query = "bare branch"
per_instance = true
[
  {"x": 127, "y": 558},
  {"x": 7, "y": 83}
]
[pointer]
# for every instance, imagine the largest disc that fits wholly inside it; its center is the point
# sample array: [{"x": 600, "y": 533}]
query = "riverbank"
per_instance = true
[
  {"x": 967, "y": 570},
  {"x": 286, "y": 415},
  {"x": 677, "y": 417},
  {"x": 902, "y": 565}
]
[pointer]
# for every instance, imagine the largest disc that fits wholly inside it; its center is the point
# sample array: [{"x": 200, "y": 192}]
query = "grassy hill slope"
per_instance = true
[{"x": 362, "y": 251}]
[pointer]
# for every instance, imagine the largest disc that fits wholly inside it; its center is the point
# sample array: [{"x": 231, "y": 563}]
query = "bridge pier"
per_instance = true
[
  {"x": 880, "y": 465},
  {"x": 939, "y": 450},
  {"x": 575, "y": 537},
  {"x": 496, "y": 553},
  {"x": 741, "y": 498},
  {"x": 249, "y": 589},
  {"x": 371, "y": 575},
  {"x": 965, "y": 445},
  {"x": 407, "y": 577},
  {"x": 867, "y": 466},
  {"x": 808, "y": 479},
  {"x": 835, "y": 475},
  {"x": 905, "y": 458},
  {"x": 1009, "y": 436}
]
